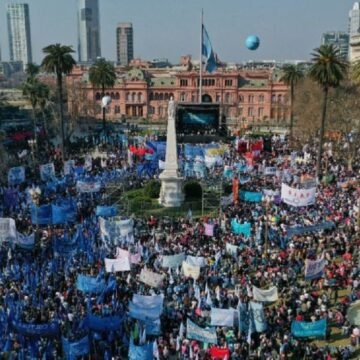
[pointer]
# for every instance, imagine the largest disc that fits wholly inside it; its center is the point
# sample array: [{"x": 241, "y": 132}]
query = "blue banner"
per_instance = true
[
  {"x": 250, "y": 196},
  {"x": 45, "y": 330},
  {"x": 138, "y": 311},
  {"x": 191, "y": 151},
  {"x": 152, "y": 327},
  {"x": 195, "y": 332},
  {"x": 309, "y": 329},
  {"x": 103, "y": 323},
  {"x": 144, "y": 352},
  {"x": 238, "y": 229},
  {"x": 244, "y": 318},
  {"x": 77, "y": 348},
  {"x": 106, "y": 211},
  {"x": 41, "y": 215},
  {"x": 89, "y": 284},
  {"x": 257, "y": 316},
  {"x": 16, "y": 175},
  {"x": 299, "y": 230}
]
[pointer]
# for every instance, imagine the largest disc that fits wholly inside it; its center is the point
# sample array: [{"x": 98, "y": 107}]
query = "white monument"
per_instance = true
[{"x": 171, "y": 192}]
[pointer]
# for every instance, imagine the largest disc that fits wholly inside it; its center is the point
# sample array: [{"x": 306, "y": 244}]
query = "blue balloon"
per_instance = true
[{"x": 252, "y": 42}]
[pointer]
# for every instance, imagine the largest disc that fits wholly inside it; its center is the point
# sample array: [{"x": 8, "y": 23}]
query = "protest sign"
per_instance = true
[
  {"x": 195, "y": 332},
  {"x": 297, "y": 197},
  {"x": 151, "y": 278},
  {"x": 314, "y": 268},
  {"x": 222, "y": 317},
  {"x": 309, "y": 329},
  {"x": 117, "y": 265},
  {"x": 190, "y": 270},
  {"x": 269, "y": 295}
]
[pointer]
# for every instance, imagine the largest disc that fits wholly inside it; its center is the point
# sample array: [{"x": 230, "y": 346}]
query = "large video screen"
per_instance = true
[{"x": 190, "y": 120}]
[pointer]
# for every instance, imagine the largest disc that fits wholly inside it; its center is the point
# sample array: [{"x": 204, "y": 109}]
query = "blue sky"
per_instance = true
[{"x": 288, "y": 29}]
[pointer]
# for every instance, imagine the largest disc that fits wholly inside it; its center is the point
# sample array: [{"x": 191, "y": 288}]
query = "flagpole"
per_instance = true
[{"x": 201, "y": 63}]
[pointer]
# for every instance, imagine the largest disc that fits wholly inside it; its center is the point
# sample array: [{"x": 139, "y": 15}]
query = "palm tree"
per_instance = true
[
  {"x": 102, "y": 74},
  {"x": 355, "y": 72},
  {"x": 32, "y": 70},
  {"x": 328, "y": 70},
  {"x": 58, "y": 60},
  {"x": 291, "y": 76}
]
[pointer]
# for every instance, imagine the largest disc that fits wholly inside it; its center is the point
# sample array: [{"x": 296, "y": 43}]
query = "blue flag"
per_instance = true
[
  {"x": 309, "y": 329},
  {"x": 72, "y": 350},
  {"x": 207, "y": 51}
]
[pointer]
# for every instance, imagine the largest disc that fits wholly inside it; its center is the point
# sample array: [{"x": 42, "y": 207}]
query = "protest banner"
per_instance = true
[
  {"x": 309, "y": 329},
  {"x": 196, "y": 261},
  {"x": 297, "y": 197},
  {"x": 69, "y": 167},
  {"x": 47, "y": 172},
  {"x": 117, "y": 265},
  {"x": 73, "y": 349},
  {"x": 151, "y": 278},
  {"x": 209, "y": 229},
  {"x": 269, "y": 295},
  {"x": 140, "y": 352},
  {"x": 222, "y": 317},
  {"x": 238, "y": 229},
  {"x": 257, "y": 316},
  {"x": 16, "y": 175},
  {"x": 314, "y": 268},
  {"x": 195, "y": 332},
  {"x": 25, "y": 241},
  {"x": 299, "y": 230},
  {"x": 231, "y": 249},
  {"x": 172, "y": 261},
  {"x": 190, "y": 270},
  {"x": 249, "y": 196},
  {"x": 88, "y": 186},
  {"x": 7, "y": 230},
  {"x": 270, "y": 171}
]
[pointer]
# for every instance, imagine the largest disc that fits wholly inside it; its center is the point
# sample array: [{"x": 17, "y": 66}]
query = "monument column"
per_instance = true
[{"x": 171, "y": 192}]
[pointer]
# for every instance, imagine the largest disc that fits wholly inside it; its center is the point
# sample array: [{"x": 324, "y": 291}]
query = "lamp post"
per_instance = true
[
  {"x": 105, "y": 102},
  {"x": 32, "y": 144},
  {"x": 267, "y": 201},
  {"x": 35, "y": 194}
]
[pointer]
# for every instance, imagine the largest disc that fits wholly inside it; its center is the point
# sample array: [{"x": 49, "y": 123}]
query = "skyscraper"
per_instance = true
[
  {"x": 18, "y": 20},
  {"x": 354, "y": 20},
  {"x": 88, "y": 31},
  {"x": 339, "y": 39},
  {"x": 124, "y": 43}
]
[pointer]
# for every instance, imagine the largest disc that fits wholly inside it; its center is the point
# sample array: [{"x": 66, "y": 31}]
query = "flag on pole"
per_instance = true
[{"x": 207, "y": 51}]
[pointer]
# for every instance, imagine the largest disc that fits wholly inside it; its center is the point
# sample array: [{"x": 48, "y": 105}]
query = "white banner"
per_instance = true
[
  {"x": 222, "y": 317},
  {"x": 88, "y": 187},
  {"x": 297, "y": 197},
  {"x": 314, "y": 268},
  {"x": 191, "y": 271},
  {"x": 269, "y": 295},
  {"x": 148, "y": 301},
  {"x": 47, "y": 172},
  {"x": 7, "y": 230},
  {"x": 16, "y": 175},
  {"x": 231, "y": 249},
  {"x": 115, "y": 265},
  {"x": 172, "y": 261},
  {"x": 196, "y": 261},
  {"x": 126, "y": 226},
  {"x": 122, "y": 254},
  {"x": 151, "y": 278},
  {"x": 270, "y": 170},
  {"x": 69, "y": 167},
  {"x": 267, "y": 192}
]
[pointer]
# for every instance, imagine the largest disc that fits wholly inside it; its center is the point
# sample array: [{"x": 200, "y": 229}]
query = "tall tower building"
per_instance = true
[
  {"x": 354, "y": 32},
  {"x": 339, "y": 39},
  {"x": 88, "y": 31},
  {"x": 18, "y": 20},
  {"x": 124, "y": 43}
]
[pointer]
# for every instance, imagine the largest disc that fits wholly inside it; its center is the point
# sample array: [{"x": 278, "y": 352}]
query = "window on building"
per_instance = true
[
  {"x": 117, "y": 96},
  {"x": 241, "y": 111},
  {"x": 241, "y": 98},
  {"x": 280, "y": 99},
  {"x": 117, "y": 109},
  {"x": 139, "y": 97},
  {"x": 166, "y": 96},
  {"x": 251, "y": 98},
  {"x": 98, "y": 96},
  {"x": 112, "y": 95},
  {"x": 183, "y": 82},
  {"x": 250, "y": 111},
  {"x": 193, "y": 98},
  {"x": 182, "y": 96},
  {"x": 133, "y": 97},
  {"x": 273, "y": 98},
  {"x": 273, "y": 114},
  {"x": 260, "y": 112},
  {"x": 218, "y": 97},
  {"x": 128, "y": 97},
  {"x": 156, "y": 97},
  {"x": 227, "y": 97},
  {"x": 161, "y": 96},
  {"x": 151, "y": 96},
  {"x": 228, "y": 82},
  {"x": 261, "y": 98},
  {"x": 151, "y": 110}
]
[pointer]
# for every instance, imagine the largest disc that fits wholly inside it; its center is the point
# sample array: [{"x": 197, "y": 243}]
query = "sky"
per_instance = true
[{"x": 288, "y": 29}]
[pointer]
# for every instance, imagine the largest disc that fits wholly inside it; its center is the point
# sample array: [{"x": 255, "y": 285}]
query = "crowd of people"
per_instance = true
[{"x": 46, "y": 314}]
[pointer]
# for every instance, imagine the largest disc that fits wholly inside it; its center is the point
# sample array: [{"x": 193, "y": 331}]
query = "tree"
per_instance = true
[
  {"x": 292, "y": 75},
  {"x": 32, "y": 70},
  {"x": 58, "y": 60},
  {"x": 355, "y": 72},
  {"x": 328, "y": 70},
  {"x": 102, "y": 75}
]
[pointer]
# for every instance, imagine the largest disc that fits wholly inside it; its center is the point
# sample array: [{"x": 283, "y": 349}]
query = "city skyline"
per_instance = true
[{"x": 288, "y": 30}]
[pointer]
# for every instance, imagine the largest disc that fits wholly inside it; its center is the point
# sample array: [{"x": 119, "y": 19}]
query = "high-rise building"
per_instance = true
[
  {"x": 18, "y": 19},
  {"x": 354, "y": 19},
  {"x": 124, "y": 43},
  {"x": 339, "y": 39},
  {"x": 88, "y": 31}
]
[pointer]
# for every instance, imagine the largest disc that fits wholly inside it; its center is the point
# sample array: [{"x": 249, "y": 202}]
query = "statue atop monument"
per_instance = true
[{"x": 171, "y": 109}]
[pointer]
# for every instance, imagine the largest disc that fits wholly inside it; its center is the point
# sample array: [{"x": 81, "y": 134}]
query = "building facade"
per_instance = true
[
  {"x": 18, "y": 21},
  {"x": 124, "y": 43},
  {"x": 88, "y": 31},
  {"x": 339, "y": 39},
  {"x": 245, "y": 96}
]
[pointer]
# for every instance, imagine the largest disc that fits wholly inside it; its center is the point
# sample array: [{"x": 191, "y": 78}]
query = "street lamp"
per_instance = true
[
  {"x": 105, "y": 102},
  {"x": 32, "y": 144},
  {"x": 267, "y": 200},
  {"x": 35, "y": 194}
]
